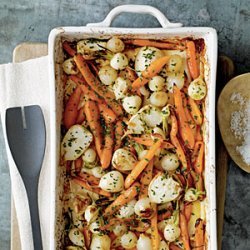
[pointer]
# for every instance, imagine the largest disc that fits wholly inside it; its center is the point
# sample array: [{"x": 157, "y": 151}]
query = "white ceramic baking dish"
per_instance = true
[{"x": 103, "y": 30}]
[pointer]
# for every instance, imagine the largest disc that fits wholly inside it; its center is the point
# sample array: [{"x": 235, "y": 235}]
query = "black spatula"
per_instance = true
[{"x": 26, "y": 137}]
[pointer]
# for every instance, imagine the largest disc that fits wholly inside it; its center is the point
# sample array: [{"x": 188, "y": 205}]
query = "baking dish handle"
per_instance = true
[{"x": 141, "y": 9}]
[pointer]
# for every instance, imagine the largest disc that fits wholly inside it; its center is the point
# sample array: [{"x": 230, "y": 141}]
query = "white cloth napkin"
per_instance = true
[{"x": 23, "y": 84}]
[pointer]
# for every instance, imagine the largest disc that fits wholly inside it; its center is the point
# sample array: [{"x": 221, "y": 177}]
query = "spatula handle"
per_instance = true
[{"x": 31, "y": 186}]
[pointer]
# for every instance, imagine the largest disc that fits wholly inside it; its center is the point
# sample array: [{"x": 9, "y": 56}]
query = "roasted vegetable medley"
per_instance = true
[{"x": 133, "y": 144}]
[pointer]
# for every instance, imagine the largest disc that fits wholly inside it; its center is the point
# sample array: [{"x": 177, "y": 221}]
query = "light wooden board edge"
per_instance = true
[
  {"x": 222, "y": 161},
  {"x": 23, "y": 52}
]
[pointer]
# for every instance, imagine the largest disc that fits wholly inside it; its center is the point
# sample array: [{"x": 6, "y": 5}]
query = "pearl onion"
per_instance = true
[
  {"x": 112, "y": 182},
  {"x": 163, "y": 189},
  {"x": 75, "y": 142},
  {"x": 175, "y": 64},
  {"x": 197, "y": 89},
  {"x": 191, "y": 195},
  {"x": 143, "y": 208},
  {"x": 175, "y": 79},
  {"x": 123, "y": 160},
  {"x": 98, "y": 172},
  {"x": 91, "y": 213},
  {"x": 142, "y": 154},
  {"x": 120, "y": 229},
  {"x": 131, "y": 104},
  {"x": 89, "y": 155},
  {"x": 120, "y": 88},
  {"x": 163, "y": 245},
  {"x": 90, "y": 46},
  {"x": 128, "y": 240},
  {"x": 127, "y": 210},
  {"x": 76, "y": 237},
  {"x": 170, "y": 162},
  {"x": 69, "y": 67},
  {"x": 144, "y": 243},
  {"x": 157, "y": 83},
  {"x": 144, "y": 91},
  {"x": 171, "y": 232},
  {"x": 146, "y": 55},
  {"x": 94, "y": 227},
  {"x": 107, "y": 75},
  {"x": 159, "y": 131},
  {"x": 119, "y": 61},
  {"x": 159, "y": 98},
  {"x": 115, "y": 45},
  {"x": 101, "y": 242}
]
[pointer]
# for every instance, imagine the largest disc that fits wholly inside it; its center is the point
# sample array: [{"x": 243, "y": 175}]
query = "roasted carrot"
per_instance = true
[
  {"x": 139, "y": 82},
  {"x": 87, "y": 237},
  {"x": 122, "y": 199},
  {"x": 71, "y": 109},
  {"x": 155, "y": 67},
  {"x": 180, "y": 178},
  {"x": 147, "y": 174},
  {"x": 93, "y": 118},
  {"x": 191, "y": 59},
  {"x": 172, "y": 246},
  {"x": 199, "y": 241},
  {"x": 88, "y": 93},
  {"x": 160, "y": 45},
  {"x": 114, "y": 221},
  {"x": 165, "y": 215},
  {"x": 142, "y": 227},
  {"x": 68, "y": 48},
  {"x": 78, "y": 164},
  {"x": 152, "y": 70},
  {"x": 195, "y": 111},
  {"x": 198, "y": 157},
  {"x": 108, "y": 146},
  {"x": 80, "y": 116},
  {"x": 118, "y": 134},
  {"x": 150, "y": 142},
  {"x": 142, "y": 140},
  {"x": 146, "y": 178},
  {"x": 191, "y": 122},
  {"x": 188, "y": 211},
  {"x": 198, "y": 182},
  {"x": 184, "y": 231},
  {"x": 167, "y": 145},
  {"x": 112, "y": 236},
  {"x": 198, "y": 134},
  {"x": 185, "y": 131},
  {"x": 130, "y": 73},
  {"x": 107, "y": 113},
  {"x": 90, "y": 178},
  {"x": 96, "y": 85},
  {"x": 85, "y": 185},
  {"x": 176, "y": 143},
  {"x": 140, "y": 166},
  {"x": 155, "y": 237}
]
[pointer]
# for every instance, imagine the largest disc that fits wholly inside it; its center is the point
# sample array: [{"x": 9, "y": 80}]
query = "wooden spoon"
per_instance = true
[{"x": 241, "y": 85}]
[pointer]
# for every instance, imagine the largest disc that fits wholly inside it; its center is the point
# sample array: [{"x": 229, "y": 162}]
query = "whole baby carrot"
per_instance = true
[{"x": 71, "y": 109}]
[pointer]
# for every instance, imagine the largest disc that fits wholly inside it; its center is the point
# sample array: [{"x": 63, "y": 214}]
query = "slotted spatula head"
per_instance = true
[{"x": 26, "y": 137}]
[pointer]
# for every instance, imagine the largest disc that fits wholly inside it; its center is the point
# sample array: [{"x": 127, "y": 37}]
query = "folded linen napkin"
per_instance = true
[{"x": 24, "y": 84}]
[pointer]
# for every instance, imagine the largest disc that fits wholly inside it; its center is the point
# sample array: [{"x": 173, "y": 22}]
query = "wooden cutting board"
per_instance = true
[
  {"x": 22, "y": 53},
  {"x": 27, "y": 51}
]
